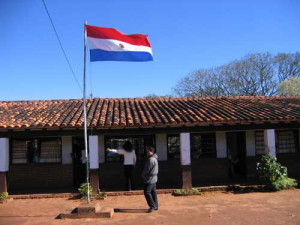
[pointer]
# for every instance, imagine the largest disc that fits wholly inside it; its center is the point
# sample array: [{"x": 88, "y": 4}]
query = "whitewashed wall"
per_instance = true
[{"x": 161, "y": 146}]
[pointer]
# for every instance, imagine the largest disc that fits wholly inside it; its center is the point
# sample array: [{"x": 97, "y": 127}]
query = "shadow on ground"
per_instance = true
[{"x": 130, "y": 210}]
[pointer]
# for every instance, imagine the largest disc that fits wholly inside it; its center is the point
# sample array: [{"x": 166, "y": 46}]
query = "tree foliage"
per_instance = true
[
  {"x": 290, "y": 87},
  {"x": 256, "y": 74}
]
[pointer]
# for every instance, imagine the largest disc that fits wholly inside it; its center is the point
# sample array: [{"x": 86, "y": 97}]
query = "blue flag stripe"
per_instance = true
[{"x": 102, "y": 55}]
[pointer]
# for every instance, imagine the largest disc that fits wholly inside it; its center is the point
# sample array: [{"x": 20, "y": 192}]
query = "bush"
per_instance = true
[
  {"x": 185, "y": 192},
  {"x": 4, "y": 196},
  {"x": 101, "y": 195},
  {"x": 272, "y": 174},
  {"x": 83, "y": 190}
]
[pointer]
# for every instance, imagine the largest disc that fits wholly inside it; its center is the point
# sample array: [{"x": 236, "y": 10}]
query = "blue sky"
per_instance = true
[{"x": 185, "y": 36}]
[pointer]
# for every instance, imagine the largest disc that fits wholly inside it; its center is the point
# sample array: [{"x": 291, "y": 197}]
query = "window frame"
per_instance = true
[
  {"x": 205, "y": 155},
  {"x": 130, "y": 137},
  {"x": 168, "y": 147},
  {"x": 40, "y": 140}
]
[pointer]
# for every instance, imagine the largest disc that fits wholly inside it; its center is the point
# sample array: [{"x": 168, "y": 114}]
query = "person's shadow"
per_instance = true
[{"x": 116, "y": 210}]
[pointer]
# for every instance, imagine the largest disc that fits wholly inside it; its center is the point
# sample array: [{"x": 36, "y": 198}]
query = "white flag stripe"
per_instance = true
[{"x": 115, "y": 45}]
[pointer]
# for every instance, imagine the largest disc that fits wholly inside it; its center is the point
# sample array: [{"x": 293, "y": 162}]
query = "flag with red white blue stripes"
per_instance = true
[{"x": 108, "y": 44}]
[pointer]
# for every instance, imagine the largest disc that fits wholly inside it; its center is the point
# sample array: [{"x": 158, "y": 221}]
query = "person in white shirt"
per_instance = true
[{"x": 129, "y": 162}]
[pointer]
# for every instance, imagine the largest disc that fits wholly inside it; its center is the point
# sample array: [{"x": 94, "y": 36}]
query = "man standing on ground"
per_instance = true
[{"x": 150, "y": 179}]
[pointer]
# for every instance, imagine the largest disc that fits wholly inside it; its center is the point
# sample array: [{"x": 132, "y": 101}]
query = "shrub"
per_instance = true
[
  {"x": 185, "y": 192},
  {"x": 272, "y": 174},
  {"x": 83, "y": 190},
  {"x": 101, "y": 195},
  {"x": 4, "y": 196}
]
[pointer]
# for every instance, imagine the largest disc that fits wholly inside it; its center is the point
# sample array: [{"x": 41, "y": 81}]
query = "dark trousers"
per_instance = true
[
  {"x": 150, "y": 195},
  {"x": 128, "y": 177}
]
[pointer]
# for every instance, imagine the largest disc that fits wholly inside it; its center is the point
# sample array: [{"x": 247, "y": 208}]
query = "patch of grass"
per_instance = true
[
  {"x": 186, "y": 192},
  {"x": 101, "y": 195}
]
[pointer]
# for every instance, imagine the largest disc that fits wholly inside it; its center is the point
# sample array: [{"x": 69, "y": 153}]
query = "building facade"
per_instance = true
[{"x": 199, "y": 141}]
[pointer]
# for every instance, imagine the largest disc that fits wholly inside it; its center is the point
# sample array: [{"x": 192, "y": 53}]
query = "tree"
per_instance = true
[
  {"x": 263, "y": 69},
  {"x": 290, "y": 87},
  {"x": 252, "y": 75},
  {"x": 156, "y": 96},
  {"x": 288, "y": 65},
  {"x": 203, "y": 82}
]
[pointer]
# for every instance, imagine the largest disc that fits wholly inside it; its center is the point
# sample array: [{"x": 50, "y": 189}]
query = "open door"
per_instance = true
[
  {"x": 236, "y": 154},
  {"x": 79, "y": 168}
]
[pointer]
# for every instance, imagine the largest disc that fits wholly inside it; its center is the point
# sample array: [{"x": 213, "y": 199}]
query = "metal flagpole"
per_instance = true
[{"x": 85, "y": 125}]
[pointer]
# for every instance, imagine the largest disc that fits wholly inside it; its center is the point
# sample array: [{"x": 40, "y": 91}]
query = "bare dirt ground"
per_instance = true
[{"x": 209, "y": 208}]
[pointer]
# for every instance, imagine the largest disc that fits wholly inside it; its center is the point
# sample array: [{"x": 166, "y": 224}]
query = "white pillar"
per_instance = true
[
  {"x": 185, "y": 149},
  {"x": 101, "y": 149},
  {"x": 66, "y": 149},
  {"x": 269, "y": 140},
  {"x": 221, "y": 144},
  {"x": 94, "y": 152},
  {"x": 161, "y": 146},
  {"x": 250, "y": 143},
  {"x": 4, "y": 154}
]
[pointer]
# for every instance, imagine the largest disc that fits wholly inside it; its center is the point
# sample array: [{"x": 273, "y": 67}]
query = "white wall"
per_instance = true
[
  {"x": 94, "y": 152},
  {"x": 4, "y": 154},
  {"x": 161, "y": 146},
  {"x": 221, "y": 144},
  {"x": 66, "y": 149},
  {"x": 269, "y": 140},
  {"x": 185, "y": 149},
  {"x": 250, "y": 142}
]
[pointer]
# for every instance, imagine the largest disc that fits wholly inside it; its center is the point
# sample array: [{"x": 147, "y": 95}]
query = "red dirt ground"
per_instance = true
[{"x": 209, "y": 208}]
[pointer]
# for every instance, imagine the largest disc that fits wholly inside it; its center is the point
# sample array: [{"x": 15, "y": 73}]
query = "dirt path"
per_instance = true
[{"x": 210, "y": 208}]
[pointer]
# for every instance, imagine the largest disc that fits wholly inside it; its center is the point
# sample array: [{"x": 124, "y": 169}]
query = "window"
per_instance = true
[
  {"x": 19, "y": 152},
  {"x": 43, "y": 150},
  {"x": 203, "y": 145},
  {"x": 259, "y": 143},
  {"x": 138, "y": 144},
  {"x": 286, "y": 141},
  {"x": 50, "y": 151},
  {"x": 173, "y": 146}
]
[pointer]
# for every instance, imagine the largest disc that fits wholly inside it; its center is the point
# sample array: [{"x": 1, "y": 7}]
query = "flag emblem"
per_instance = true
[{"x": 108, "y": 44}]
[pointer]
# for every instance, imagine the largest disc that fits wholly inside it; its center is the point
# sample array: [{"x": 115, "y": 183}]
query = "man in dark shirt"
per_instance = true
[{"x": 150, "y": 179}]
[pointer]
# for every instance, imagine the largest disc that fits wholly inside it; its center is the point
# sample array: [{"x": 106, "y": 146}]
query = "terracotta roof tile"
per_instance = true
[{"x": 148, "y": 112}]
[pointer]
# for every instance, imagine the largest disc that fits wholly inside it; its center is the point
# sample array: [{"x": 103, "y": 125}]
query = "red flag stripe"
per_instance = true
[{"x": 111, "y": 33}]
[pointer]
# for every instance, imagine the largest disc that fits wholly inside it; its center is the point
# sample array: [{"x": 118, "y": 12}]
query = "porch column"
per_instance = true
[
  {"x": 250, "y": 143},
  {"x": 221, "y": 144},
  {"x": 66, "y": 149},
  {"x": 269, "y": 140},
  {"x": 185, "y": 157},
  {"x": 94, "y": 162},
  {"x": 161, "y": 146},
  {"x": 4, "y": 163}
]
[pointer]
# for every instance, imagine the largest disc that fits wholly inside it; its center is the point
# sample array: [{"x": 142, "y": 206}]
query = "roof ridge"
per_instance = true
[{"x": 156, "y": 98}]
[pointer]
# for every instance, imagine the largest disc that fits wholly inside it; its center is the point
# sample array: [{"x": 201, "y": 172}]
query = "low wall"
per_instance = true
[
  {"x": 209, "y": 171},
  {"x": 37, "y": 176},
  {"x": 112, "y": 177}
]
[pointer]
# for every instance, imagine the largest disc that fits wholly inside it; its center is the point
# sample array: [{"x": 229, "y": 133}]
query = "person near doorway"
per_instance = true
[
  {"x": 129, "y": 162},
  {"x": 233, "y": 165},
  {"x": 149, "y": 176}
]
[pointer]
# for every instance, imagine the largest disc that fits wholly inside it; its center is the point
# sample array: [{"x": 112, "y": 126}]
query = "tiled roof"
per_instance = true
[{"x": 143, "y": 112}]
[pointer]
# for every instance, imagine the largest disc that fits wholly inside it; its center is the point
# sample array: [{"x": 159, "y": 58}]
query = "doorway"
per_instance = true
[
  {"x": 79, "y": 166},
  {"x": 236, "y": 154}
]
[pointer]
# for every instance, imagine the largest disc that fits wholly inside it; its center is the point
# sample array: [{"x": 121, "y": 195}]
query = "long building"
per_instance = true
[{"x": 41, "y": 142}]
